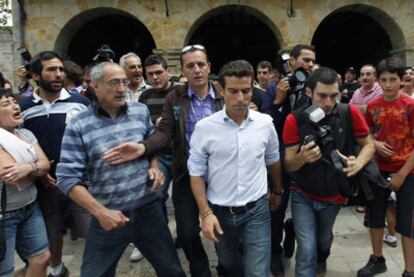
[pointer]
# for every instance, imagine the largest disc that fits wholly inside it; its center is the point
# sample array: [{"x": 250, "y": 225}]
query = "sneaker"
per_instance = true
[
  {"x": 289, "y": 242},
  {"x": 390, "y": 240},
  {"x": 408, "y": 274},
  {"x": 374, "y": 266},
  {"x": 136, "y": 255},
  {"x": 321, "y": 269},
  {"x": 63, "y": 273}
]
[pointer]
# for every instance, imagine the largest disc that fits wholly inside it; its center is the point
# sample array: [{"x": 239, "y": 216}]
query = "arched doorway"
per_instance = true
[
  {"x": 235, "y": 32},
  {"x": 80, "y": 38},
  {"x": 356, "y": 35}
]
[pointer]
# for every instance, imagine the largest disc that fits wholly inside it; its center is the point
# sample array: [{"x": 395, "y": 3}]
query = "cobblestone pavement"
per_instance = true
[{"x": 350, "y": 251}]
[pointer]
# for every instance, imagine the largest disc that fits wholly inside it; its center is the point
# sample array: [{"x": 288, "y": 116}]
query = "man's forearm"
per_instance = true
[
  {"x": 155, "y": 142},
  {"x": 293, "y": 160},
  {"x": 198, "y": 186},
  {"x": 81, "y": 196},
  {"x": 367, "y": 150},
  {"x": 408, "y": 165},
  {"x": 275, "y": 171}
]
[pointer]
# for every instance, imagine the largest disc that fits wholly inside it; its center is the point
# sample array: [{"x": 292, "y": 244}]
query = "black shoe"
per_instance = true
[
  {"x": 408, "y": 274},
  {"x": 321, "y": 269},
  {"x": 63, "y": 273},
  {"x": 374, "y": 266},
  {"x": 289, "y": 242}
]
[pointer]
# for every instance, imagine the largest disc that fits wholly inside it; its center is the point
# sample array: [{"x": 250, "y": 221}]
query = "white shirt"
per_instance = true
[{"x": 233, "y": 158}]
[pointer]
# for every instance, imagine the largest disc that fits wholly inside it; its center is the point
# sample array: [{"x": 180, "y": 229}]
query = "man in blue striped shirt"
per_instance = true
[{"x": 120, "y": 197}]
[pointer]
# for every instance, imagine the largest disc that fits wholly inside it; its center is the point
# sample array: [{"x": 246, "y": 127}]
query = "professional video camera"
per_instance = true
[
  {"x": 296, "y": 79},
  {"x": 105, "y": 54},
  {"x": 26, "y": 56},
  {"x": 323, "y": 137}
]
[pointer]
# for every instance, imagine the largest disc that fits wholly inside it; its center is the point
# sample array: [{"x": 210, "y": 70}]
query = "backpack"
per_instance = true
[{"x": 370, "y": 173}]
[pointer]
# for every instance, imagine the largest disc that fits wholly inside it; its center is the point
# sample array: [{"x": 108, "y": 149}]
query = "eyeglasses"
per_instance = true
[
  {"x": 116, "y": 83},
  {"x": 190, "y": 47}
]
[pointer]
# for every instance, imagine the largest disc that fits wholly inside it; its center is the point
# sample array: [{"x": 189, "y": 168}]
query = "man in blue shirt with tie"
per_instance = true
[{"x": 231, "y": 150}]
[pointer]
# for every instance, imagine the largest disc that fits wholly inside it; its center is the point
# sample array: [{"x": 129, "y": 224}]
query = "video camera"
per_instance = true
[
  {"x": 296, "y": 79},
  {"x": 26, "y": 56},
  {"x": 323, "y": 137},
  {"x": 105, "y": 54}
]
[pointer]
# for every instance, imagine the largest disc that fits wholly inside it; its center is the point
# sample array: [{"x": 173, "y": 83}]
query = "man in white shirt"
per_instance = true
[{"x": 230, "y": 151}]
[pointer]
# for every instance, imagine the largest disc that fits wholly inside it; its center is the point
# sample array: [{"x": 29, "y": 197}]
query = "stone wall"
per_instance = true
[
  {"x": 6, "y": 54},
  {"x": 52, "y": 23}
]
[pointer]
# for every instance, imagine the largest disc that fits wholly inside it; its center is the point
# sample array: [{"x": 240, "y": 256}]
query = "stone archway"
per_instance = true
[
  {"x": 235, "y": 32},
  {"x": 355, "y": 35},
  {"x": 86, "y": 32}
]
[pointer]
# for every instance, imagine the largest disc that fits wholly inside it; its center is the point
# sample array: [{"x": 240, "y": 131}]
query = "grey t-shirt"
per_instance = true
[{"x": 16, "y": 198}]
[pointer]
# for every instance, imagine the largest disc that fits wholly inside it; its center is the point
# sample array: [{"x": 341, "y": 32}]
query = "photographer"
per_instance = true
[
  {"x": 277, "y": 104},
  {"x": 317, "y": 192}
]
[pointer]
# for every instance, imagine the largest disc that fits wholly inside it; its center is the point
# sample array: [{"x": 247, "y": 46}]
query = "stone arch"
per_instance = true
[
  {"x": 120, "y": 29},
  {"x": 372, "y": 34},
  {"x": 237, "y": 15}
]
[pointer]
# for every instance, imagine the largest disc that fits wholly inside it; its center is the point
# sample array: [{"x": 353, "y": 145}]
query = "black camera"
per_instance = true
[
  {"x": 26, "y": 57},
  {"x": 323, "y": 137},
  {"x": 105, "y": 54},
  {"x": 297, "y": 79}
]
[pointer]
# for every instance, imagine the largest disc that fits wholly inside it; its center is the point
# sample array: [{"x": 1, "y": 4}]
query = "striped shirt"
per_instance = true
[
  {"x": 87, "y": 137},
  {"x": 47, "y": 121}
]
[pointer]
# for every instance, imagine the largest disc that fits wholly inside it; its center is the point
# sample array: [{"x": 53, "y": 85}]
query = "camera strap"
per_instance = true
[{"x": 344, "y": 111}]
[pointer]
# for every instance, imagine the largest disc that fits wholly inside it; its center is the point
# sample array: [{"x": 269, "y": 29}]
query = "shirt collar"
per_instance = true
[
  {"x": 191, "y": 92},
  {"x": 250, "y": 115},
  {"x": 64, "y": 94},
  {"x": 368, "y": 91},
  {"x": 101, "y": 112}
]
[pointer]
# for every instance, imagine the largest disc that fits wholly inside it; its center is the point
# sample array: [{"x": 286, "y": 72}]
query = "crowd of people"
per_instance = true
[{"x": 95, "y": 150}]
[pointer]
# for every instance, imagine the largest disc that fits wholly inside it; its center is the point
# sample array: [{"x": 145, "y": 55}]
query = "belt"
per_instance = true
[
  {"x": 237, "y": 209},
  {"x": 23, "y": 209}
]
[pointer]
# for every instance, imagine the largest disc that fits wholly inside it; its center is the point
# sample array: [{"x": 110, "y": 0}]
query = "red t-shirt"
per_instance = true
[
  {"x": 393, "y": 123},
  {"x": 291, "y": 137}
]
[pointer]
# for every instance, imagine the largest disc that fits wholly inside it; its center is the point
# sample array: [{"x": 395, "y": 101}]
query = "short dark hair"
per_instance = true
[
  {"x": 155, "y": 59},
  {"x": 297, "y": 49},
  {"x": 324, "y": 75},
  {"x": 237, "y": 68},
  {"x": 393, "y": 64},
  {"x": 265, "y": 64},
  {"x": 73, "y": 72},
  {"x": 6, "y": 93},
  {"x": 193, "y": 49},
  {"x": 36, "y": 66}
]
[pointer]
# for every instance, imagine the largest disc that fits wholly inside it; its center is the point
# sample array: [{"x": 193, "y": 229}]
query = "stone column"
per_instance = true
[
  {"x": 172, "y": 55},
  {"x": 407, "y": 54}
]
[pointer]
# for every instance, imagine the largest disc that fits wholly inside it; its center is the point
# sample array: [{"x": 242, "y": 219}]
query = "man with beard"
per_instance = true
[
  {"x": 46, "y": 114},
  {"x": 369, "y": 89},
  {"x": 133, "y": 68}
]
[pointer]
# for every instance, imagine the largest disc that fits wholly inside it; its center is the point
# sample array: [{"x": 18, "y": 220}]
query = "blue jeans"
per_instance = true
[
  {"x": 252, "y": 230},
  {"x": 313, "y": 221},
  {"x": 26, "y": 232},
  {"x": 188, "y": 227},
  {"x": 147, "y": 229}
]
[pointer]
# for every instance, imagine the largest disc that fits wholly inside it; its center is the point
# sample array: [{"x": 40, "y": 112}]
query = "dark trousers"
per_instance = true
[
  {"x": 278, "y": 216},
  {"x": 188, "y": 227},
  {"x": 147, "y": 229}
]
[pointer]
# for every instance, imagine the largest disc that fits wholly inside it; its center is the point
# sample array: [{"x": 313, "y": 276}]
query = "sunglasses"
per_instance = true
[{"x": 191, "y": 47}]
